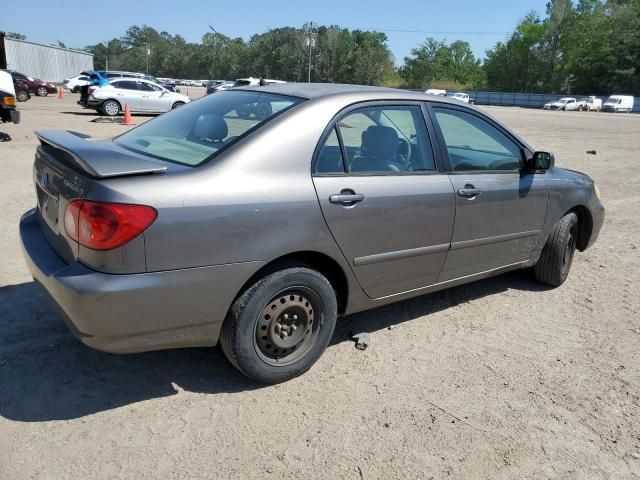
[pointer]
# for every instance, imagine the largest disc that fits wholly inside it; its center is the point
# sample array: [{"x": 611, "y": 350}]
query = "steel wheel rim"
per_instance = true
[{"x": 288, "y": 326}]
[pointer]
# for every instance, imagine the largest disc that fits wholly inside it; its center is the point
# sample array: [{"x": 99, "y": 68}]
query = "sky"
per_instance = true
[{"x": 78, "y": 24}]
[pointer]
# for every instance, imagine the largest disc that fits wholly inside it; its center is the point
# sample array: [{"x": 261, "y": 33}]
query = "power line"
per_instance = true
[{"x": 432, "y": 32}]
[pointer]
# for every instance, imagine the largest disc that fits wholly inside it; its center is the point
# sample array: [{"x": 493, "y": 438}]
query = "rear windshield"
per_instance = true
[{"x": 196, "y": 132}]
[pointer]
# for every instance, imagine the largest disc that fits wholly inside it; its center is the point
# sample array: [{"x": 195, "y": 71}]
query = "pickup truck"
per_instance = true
[
  {"x": 567, "y": 103},
  {"x": 8, "y": 112}
]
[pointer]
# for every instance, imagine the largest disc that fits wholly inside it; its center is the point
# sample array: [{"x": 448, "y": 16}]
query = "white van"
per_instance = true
[{"x": 618, "y": 103}]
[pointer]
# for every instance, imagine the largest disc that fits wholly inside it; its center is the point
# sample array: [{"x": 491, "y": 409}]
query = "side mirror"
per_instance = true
[{"x": 540, "y": 161}]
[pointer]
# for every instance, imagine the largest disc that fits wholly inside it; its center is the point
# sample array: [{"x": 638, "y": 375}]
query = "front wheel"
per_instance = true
[
  {"x": 580, "y": 108},
  {"x": 111, "y": 108},
  {"x": 176, "y": 105},
  {"x": 557, "y": 255},
  {"x": 42, "y": 92},
  {"x": 76, "y": 89},
  {"x": 280, "y": 326}
]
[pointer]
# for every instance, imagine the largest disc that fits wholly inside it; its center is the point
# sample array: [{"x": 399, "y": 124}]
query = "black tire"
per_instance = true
[
  {"x": 580, "y": 108},
  {"x": 111, "y": 108},
  {"x": 177, "y": 105},
  {"x": 76, "y": 89},
  {"x": 42, "y": 91},
  {"x": 22, "y": 96},
  {"x": 557, "y": 255},
  {"x": 248, "y": 329}
]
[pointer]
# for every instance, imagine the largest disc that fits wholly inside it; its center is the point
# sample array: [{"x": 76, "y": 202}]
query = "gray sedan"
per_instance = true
[{"x": 207, "y": 224}]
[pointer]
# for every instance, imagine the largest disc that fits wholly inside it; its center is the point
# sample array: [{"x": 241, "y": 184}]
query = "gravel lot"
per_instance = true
[{"x": 497, "y": 379}]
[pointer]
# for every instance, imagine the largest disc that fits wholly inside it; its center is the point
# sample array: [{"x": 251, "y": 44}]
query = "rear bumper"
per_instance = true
[{"x": 134, "y": 312}]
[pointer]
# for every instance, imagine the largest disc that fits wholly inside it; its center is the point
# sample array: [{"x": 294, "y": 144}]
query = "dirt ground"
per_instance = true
[{"x": 500, "y": 379}]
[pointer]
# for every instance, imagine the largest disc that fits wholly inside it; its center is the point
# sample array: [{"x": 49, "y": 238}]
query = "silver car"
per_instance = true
[
  {"x": 204, "y": 225},
  {"x": 142, "y": 96}
]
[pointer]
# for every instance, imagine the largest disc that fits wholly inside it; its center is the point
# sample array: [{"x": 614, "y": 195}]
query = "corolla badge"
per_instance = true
[{"x": 43, "y": 179}]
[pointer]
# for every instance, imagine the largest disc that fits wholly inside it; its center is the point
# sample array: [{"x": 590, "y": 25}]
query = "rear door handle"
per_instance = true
[
  {"x": 347, "y": 199},
  {"x": 469, "y": 191}
]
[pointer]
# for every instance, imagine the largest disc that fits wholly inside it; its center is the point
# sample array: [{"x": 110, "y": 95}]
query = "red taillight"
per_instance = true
[{"x": 104, "y": 226}]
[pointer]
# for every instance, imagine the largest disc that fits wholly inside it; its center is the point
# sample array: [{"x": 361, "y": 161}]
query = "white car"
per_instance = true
[
  {"x": 567, "y": 103},
  {"x": 463, "y": 97},
  {"x": 252, "y": 81},
  {"x": 436, "y": 91},
  {"x": 142, "y": 96},
  {"x": 74, "y": 84}
]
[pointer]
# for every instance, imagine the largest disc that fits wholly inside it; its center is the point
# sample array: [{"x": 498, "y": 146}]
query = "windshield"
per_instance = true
[{"x": 196, "y": 132}]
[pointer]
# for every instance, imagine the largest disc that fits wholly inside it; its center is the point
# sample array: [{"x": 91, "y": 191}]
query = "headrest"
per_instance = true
[
  {"x": 210, "y": 127},
  {"x": 379, "y": 142}
]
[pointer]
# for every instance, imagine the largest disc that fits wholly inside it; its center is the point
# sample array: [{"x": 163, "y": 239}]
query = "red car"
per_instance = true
[{"x": 39, "y": 87}]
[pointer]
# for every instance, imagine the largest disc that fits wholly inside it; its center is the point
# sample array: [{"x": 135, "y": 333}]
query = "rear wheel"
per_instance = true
[
  {"x": 555, "y": 260},
  {"x": 76, "y": 89},
  {"x": 580, "y": 108},
  {"x": 42, "y": 91},
  {"x": 280, "y": 326},
  {"x": 111, "y": 108}
]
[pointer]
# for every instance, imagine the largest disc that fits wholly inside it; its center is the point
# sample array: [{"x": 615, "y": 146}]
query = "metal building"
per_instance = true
[{"x": 46, "y": 62}]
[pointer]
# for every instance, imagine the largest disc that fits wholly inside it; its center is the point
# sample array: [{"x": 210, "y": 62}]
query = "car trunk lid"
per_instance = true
[{"x": 66, "y": 164}]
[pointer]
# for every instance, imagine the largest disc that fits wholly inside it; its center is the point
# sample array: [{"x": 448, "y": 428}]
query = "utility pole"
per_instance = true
[
  {"x": 310, "y": 47},
  {"x": 146, "y": 45}
]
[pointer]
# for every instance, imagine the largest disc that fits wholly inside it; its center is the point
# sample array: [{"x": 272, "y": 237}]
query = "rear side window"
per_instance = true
[
  {"x": 475, "y": 144},
  {"x": 330, "y": 156},
  {"x": 126, "y": 84},
  {"x": 196, "y": 132}
]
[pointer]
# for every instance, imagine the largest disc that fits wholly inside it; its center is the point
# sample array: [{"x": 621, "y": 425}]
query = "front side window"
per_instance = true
[
  {"x": 386, "y": 139},
  {"x": 474, "y": 144},
  {"x": 196, "y": 132}
]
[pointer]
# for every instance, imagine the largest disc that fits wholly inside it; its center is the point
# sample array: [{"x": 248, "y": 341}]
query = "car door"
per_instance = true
[
  {"x": 500, "y": 208},
  {"x": 385, "y": 197},
  {"x": 153, "y": 98},
  {"x": 127, "y": 93}
]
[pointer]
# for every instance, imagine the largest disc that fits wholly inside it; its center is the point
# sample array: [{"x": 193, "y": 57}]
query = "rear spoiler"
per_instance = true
[{"x": 99, "y": 160}]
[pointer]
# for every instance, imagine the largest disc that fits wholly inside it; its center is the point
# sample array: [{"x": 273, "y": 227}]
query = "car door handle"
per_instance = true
[
  {"x": 469, "y": 191},
  {"x": 346, "y": 199}
]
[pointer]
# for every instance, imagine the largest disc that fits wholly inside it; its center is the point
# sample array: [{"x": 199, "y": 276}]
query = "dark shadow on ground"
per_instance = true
[{"x": 46, "y": 374}]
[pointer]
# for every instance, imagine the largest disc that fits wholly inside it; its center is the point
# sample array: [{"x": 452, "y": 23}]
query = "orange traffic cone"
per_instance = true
[
  {"x": 127, "y": 116},
  {"x": 60, "y": 92}
]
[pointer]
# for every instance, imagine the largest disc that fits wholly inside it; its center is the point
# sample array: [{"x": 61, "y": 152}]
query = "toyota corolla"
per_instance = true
[{"x": 258, "y": 231}]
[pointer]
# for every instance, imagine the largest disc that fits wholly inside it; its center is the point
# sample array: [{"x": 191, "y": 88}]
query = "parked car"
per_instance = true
[
  {"x": 112, "y": 74},
  {"x": 22, "y": 91},
  {"x": 589, "y": 104},
  {"x": 198, "y": 227},
  {"x": 35, "y": 85},
  {"x": 8, "y": 112},
  {"x": 436, "y": 91},
  {"x": 252, "y": 81},
  {"x": 567, "y": 103},
  {"x": 142, "y": 96},
  {"x": 463, "y": 97},
  {"x": 75, "y": 83},
  {"x": 219, "y": 86},
  {"x": 618, "y": 103}
]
